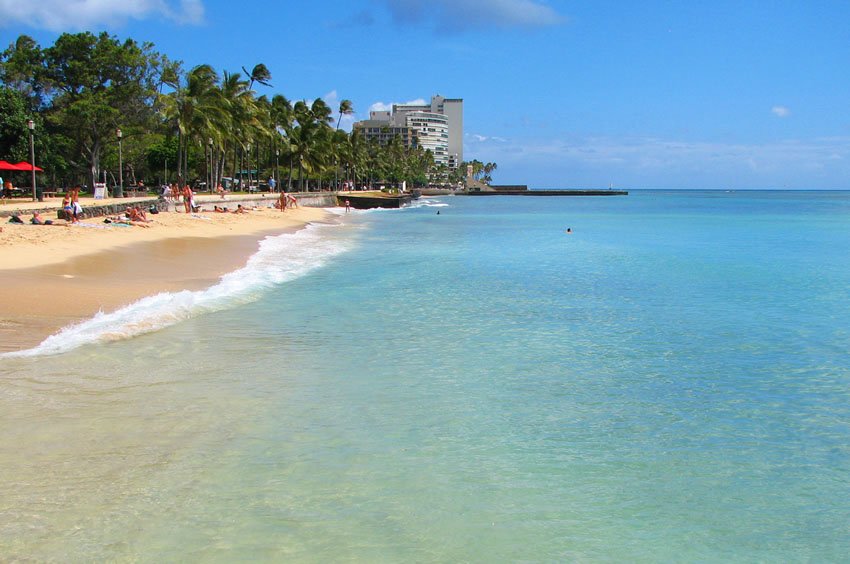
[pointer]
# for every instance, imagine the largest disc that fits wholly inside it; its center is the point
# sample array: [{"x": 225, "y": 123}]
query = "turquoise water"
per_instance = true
[{"x": 671, "y": 381}]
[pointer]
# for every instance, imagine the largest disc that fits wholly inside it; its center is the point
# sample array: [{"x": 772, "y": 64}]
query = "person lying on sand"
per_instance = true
[
  {"x": 125, "y": 220},
  {"x": 240, "y": 209},
  {"x": 219, "y": 209},
  {"x": 38, "y": 220}
]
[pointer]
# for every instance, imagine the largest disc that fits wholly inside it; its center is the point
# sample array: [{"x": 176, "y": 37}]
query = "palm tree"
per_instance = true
[
  {"x": 488, "y": 170},
  {"x": 282, "y": 120},
  {"x": 260, "y": 74},
  {"x": 310, "y": 138},
  {"x": 196, "y": 110},
  {"x": 356, "y": 154},
  {"x": 345, "y": 108},
  {"x": 244, "y": 121}
]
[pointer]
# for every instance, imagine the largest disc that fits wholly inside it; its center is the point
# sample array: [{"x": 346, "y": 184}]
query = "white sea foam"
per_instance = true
[
  {"x": 426, "y": 203},
  {"x": 279, "y": 259}
]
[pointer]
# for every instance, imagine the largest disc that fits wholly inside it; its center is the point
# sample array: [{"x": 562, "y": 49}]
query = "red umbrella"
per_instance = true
[
  {"x": 9, "y": 166},
  {"x": 24, "y": 165}
]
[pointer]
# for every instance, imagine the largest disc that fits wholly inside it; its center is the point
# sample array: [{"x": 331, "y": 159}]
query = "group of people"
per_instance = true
[
  {"x": 239, "y": 209},
  {"x": 286, "y": 201},
  {"x": 35, "y": 220},
  {"x": 71, "y": 205},
  {"x": 133, "y": 215},
  {"x": 173, "y": 193}
]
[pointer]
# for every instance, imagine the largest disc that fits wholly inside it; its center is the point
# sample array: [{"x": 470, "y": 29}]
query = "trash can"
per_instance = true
[
  {"x": 39, "y": 193},
  {"x": 117, "y": 192}
]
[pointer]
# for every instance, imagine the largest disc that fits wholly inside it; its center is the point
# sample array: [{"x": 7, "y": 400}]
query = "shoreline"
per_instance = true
[{"x": 55, "y": 276}]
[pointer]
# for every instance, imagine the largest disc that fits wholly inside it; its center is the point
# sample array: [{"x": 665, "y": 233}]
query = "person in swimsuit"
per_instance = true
[
  {"x": 188, "y": 204},
  {"x": 67, "y": 208}
]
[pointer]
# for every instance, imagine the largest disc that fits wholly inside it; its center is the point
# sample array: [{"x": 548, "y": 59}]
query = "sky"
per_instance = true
[{"x": 559, "y": 94}]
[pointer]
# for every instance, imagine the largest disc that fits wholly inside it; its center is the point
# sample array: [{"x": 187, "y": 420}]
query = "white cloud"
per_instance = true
[
  {"x": 456, "y": 15},
  {"x": 382, "y": 107},
  {"x": 660, "y": 163},
  {"x": 63, "y": 15},
  {"x": 780, "y": 111}
]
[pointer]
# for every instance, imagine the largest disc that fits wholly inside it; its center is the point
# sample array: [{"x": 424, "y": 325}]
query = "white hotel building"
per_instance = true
[{"x": 437, "y": 127}]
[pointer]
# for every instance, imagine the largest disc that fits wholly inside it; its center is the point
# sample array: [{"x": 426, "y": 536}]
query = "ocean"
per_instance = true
[{"x": 668, "y": 382}]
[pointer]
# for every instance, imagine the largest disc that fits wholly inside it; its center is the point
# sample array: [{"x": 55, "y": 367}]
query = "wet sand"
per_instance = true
[{"x": 55, "y": 276}]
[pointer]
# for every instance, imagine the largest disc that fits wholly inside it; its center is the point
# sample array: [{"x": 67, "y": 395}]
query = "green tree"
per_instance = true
[
  {"x": 98, "y": 84},
  {"x": 22, "y": 69}
]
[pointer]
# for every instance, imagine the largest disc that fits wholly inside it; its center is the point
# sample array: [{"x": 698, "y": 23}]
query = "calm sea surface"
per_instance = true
[{"x": 670, "y": 382}]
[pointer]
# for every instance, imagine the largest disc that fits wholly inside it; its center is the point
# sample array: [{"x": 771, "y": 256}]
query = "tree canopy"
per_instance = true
[{"x": 190, "y": 126}]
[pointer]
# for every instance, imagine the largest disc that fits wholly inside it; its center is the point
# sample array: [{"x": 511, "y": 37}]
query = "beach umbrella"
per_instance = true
[
  {"x": 24, "y": 165},
  {"x": 9, "y": 166}
]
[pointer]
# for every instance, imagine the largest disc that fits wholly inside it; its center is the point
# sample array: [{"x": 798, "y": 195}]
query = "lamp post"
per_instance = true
[
  {"x": 31, "y": 126},
  {"x": 120, "y": 193},
  {"x": 248, "y": 167},
  {"x": 210, "y": 173}
]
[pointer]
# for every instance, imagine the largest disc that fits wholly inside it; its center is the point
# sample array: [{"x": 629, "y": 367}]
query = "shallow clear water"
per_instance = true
[{"x": 668, "y": 382}]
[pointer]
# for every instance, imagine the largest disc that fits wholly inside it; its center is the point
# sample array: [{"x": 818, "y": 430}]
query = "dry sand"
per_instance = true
[{"x": 54, "y": 275}]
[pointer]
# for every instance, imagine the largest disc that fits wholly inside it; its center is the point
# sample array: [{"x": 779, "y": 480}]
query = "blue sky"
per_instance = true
[{"x": 653, "y": 94}]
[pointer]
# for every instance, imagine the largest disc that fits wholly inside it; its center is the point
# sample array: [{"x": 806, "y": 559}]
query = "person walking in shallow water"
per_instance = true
[{"x": 347, "y": 206}]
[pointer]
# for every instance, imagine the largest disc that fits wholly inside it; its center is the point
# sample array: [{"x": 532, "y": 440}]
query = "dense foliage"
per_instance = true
[{"x": 195, "y": 125}]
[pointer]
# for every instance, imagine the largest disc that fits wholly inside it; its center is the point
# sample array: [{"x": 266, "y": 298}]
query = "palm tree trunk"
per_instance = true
[
  {"x": 179, "y": 158},
  {"x": 289, "y": 180},
  {"x": 300, "y": 176}
]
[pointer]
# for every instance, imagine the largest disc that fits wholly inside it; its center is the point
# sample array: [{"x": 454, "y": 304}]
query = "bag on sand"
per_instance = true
[{"x": 153, "y": 210}]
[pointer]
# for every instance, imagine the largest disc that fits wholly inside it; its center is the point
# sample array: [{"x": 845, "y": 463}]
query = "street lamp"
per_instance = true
[
  {"x": 31, "y": 126},
  {"x": 210, "y": 173},
  {"x": 120, "y": 193},
  {"x": 248, "y": 167}
]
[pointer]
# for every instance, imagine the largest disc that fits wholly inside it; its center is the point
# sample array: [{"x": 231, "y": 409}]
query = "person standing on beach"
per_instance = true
[
  {"x": 272, "y": 184},
  {"x": 282, "y": 201},
  {"x": 76, "y": 208},
  {"x": 188, "y": 204},
  {"x": 347, "y": 206}
]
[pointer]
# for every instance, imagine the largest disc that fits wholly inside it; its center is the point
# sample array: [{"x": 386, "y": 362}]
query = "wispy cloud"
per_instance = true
[
  {"x": 780, "y": 111},
  {"x": 64, "y": 15},
  {"x": 484, "y": 138},
  {"x": 459, "y": 15}
]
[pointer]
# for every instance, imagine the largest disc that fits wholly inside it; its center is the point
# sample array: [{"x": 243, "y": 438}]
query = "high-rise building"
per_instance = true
[{"x": 437, "y": 127}]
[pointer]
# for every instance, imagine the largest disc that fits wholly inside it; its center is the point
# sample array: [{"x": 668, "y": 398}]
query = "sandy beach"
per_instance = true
[{"x": 55, "y": 275}]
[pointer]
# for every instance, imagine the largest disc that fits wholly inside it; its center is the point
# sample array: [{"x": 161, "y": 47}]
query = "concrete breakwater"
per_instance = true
[
  {"x": 116, "y": 206},
  {"x": 547, "y": 193}
]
